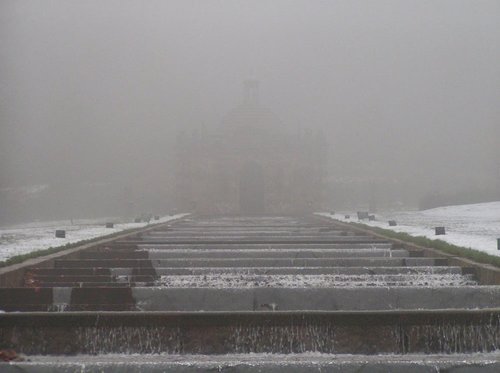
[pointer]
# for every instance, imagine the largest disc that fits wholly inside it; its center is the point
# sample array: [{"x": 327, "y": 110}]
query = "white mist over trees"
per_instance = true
[{"x": 94, "y": 93}]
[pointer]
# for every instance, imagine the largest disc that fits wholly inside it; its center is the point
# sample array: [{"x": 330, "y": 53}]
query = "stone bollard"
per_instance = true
[
  {"x": 440, "y": 231},
  {"x": 60, "y": 233},
  {"x": 110, "y": 225},
  {"x": 498, "y": 243},
  {"x": 392, "y": 223}
]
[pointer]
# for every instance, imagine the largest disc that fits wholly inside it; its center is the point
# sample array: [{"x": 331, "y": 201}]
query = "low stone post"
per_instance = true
[{"x": 440, "y": 231}]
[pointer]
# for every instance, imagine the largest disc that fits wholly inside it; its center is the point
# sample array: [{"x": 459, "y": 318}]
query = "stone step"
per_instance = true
[
  {"x": 243, "y": 253},
  {"x": 265, "y": 247},
  {"x": 92, "y": 284},
  {"x": 237, "y": 237},
  {"x": 254, "y": 281},
  {"x": 422, "y": 270},
  {"x": 249, "y": 262},
  {"x": 253, "y": 363},
  {"x": 253, "y": 299},
  {"x": 71, "y": 278},
  {"x": 103, "y": 263},
  {"x": 256, "y": 240},
  {"x": 250, "y": 228},
  {"x": 276, "y": 253},
  {"x": 92, "y": 271},
  {"x": 250, "y": 233},
  {"x": 198, "y": 224},
  {"x": 90, "y": 279},
  {"x": 114, "y": 254},
  {"x": 327, "y": 299}
]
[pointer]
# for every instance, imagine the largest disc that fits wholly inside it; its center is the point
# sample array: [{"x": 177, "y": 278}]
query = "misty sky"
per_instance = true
[{"x": 94, "y": 91}]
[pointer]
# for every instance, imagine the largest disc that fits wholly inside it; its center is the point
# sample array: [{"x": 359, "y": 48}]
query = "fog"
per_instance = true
[{"x": 93, "y": 95}]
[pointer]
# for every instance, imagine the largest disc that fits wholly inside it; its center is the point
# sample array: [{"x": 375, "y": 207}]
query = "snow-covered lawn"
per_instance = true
[
  {"x": 23, "y": 239},
  {"x": 474, "y": 226}
]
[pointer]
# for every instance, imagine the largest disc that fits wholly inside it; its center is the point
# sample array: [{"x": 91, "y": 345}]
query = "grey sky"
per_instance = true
[{"x": 95, "y": 90}]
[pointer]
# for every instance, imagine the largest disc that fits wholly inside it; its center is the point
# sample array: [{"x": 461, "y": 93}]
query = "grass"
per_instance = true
[
  {"x": 51, "y": 250},
  {"x": 465, "y": 252}
]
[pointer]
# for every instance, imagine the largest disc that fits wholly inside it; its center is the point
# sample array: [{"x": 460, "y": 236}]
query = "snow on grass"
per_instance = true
[
  {"x": 474, "y": 226},
  {"x": 26, "y": 238}
]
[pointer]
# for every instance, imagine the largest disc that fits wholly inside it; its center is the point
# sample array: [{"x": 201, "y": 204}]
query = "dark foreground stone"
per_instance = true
[{"x": 259, "y": 363}]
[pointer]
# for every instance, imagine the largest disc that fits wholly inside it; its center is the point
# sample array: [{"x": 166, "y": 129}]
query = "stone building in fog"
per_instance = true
[{"x": 252, "y": 164}]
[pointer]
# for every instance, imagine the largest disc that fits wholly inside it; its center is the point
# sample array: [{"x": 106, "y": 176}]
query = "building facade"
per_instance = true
[{"x": 252, "y": 164}]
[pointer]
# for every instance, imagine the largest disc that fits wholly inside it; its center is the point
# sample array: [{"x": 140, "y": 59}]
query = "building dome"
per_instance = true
[{"x": 250, "y": 114}]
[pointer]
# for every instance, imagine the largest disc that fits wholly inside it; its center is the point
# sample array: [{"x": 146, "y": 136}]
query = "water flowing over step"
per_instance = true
[
  {"x": 215, "y": 333},
  {"x": 296, "y": 293}
]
